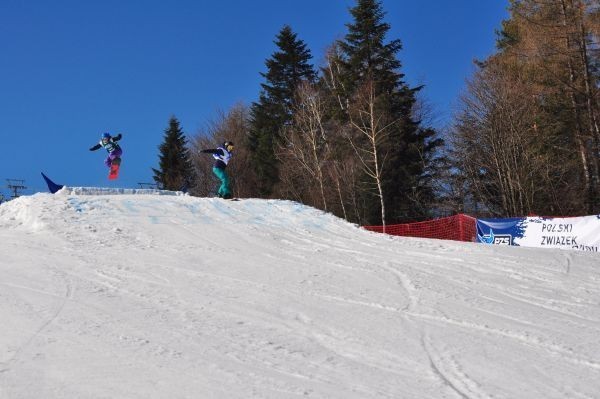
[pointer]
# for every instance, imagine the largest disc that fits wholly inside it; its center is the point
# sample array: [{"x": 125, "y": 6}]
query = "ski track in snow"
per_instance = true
[
  {"x": 165, "y": 295},
  {"x": 54, "y": 313}
]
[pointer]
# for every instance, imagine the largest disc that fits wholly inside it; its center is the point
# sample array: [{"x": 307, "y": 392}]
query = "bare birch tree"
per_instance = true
[
  {"x": 305, "y": 141},
  {"x": 369, "y": 138}
]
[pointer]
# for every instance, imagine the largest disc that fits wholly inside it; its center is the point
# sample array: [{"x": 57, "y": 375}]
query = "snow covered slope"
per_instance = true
[{"x": 113, "y": 294}]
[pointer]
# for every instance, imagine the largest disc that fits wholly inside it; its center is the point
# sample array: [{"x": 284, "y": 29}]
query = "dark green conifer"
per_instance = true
[
  {"x": 286, "y": 69},
  {"x": 175, "y": 171},
  {"x": 366, "y": 57}
]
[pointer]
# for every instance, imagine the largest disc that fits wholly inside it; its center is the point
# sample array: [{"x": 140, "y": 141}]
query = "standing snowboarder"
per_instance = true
[
  {"x": 114, "y": 152},
  {"x": 222, "y": 156}
]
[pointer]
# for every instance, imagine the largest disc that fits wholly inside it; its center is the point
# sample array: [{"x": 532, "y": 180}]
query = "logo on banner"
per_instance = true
[{"x": 495, "y": 239}]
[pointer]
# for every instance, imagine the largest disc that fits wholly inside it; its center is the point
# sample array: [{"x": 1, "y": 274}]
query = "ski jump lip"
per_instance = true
[{"x": 117, "y": 191}]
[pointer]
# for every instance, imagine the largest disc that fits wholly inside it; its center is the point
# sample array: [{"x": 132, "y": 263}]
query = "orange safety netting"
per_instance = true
[{"x": 458, "y": 227}]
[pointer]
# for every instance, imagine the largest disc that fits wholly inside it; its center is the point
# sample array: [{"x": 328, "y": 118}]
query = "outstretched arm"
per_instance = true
[
  {"x": 117, "y": 137},
  {"x": 213, "y": 151},
  {"x": 96, "y": 147}
]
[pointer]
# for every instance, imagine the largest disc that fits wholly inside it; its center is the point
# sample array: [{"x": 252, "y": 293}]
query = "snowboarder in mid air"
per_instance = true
[
  {"x": 222, "y": 156},
  {"x": 114, "y": 152}
]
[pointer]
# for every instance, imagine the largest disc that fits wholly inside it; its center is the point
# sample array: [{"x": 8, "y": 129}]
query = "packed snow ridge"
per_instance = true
[{"x": 151, "y": 294}]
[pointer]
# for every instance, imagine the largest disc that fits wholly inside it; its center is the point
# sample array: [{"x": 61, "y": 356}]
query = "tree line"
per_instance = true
[
  {"x": 526, "y": 139},
  {"x": 351, "y": 137}
]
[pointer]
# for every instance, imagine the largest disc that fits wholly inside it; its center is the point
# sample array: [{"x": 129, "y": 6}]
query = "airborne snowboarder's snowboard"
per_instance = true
[{"x": 114, "y": 169}]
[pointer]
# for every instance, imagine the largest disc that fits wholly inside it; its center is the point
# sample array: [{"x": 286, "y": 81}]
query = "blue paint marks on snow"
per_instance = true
[{"x": 75, "y": 204}]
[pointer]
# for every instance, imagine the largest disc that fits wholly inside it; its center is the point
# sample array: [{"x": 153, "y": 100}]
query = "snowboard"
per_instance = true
[
  {"x": 114, "y": 169},
  {"x": 229, "y": 199}
]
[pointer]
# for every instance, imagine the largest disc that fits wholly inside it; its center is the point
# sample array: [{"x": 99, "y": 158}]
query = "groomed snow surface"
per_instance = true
[{"x": 113, "y": 294}]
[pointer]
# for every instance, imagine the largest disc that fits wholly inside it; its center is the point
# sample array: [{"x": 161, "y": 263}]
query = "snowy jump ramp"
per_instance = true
[{"x": 148, "y": 294}]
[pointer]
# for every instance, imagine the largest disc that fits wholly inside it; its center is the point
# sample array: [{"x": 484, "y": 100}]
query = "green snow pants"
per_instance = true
[{"x": 224, "y": 190}]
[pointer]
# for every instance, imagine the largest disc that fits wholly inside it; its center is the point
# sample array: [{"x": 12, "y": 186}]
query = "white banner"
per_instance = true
[{"x": 577, "y": 233}]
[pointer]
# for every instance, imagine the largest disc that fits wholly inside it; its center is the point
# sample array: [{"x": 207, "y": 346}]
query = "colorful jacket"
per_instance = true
[
  {"x": 110, "y": 145},
  {"x": 221, "y": 156}
]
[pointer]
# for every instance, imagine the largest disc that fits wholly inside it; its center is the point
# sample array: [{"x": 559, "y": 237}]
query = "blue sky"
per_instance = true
[{"x": 72, "y": 69}]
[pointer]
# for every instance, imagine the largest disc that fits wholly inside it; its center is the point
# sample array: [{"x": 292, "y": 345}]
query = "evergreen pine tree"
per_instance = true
[
  {"x": 286, "y": 69},
  {"x": 365, "y": 57},
  {"x": 175, "y": 171}
]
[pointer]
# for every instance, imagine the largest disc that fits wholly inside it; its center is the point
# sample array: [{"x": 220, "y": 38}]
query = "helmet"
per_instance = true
[
  {"x": 106, "y": 135},
  {"x": 228, "y": 145}
]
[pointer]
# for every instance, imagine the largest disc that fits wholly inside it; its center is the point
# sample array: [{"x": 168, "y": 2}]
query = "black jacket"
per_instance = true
[{"x": 112, "y": 140}]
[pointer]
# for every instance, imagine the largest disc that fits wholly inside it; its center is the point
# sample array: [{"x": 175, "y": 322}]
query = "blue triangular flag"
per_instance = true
[{"x": 53, "y": 187}]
